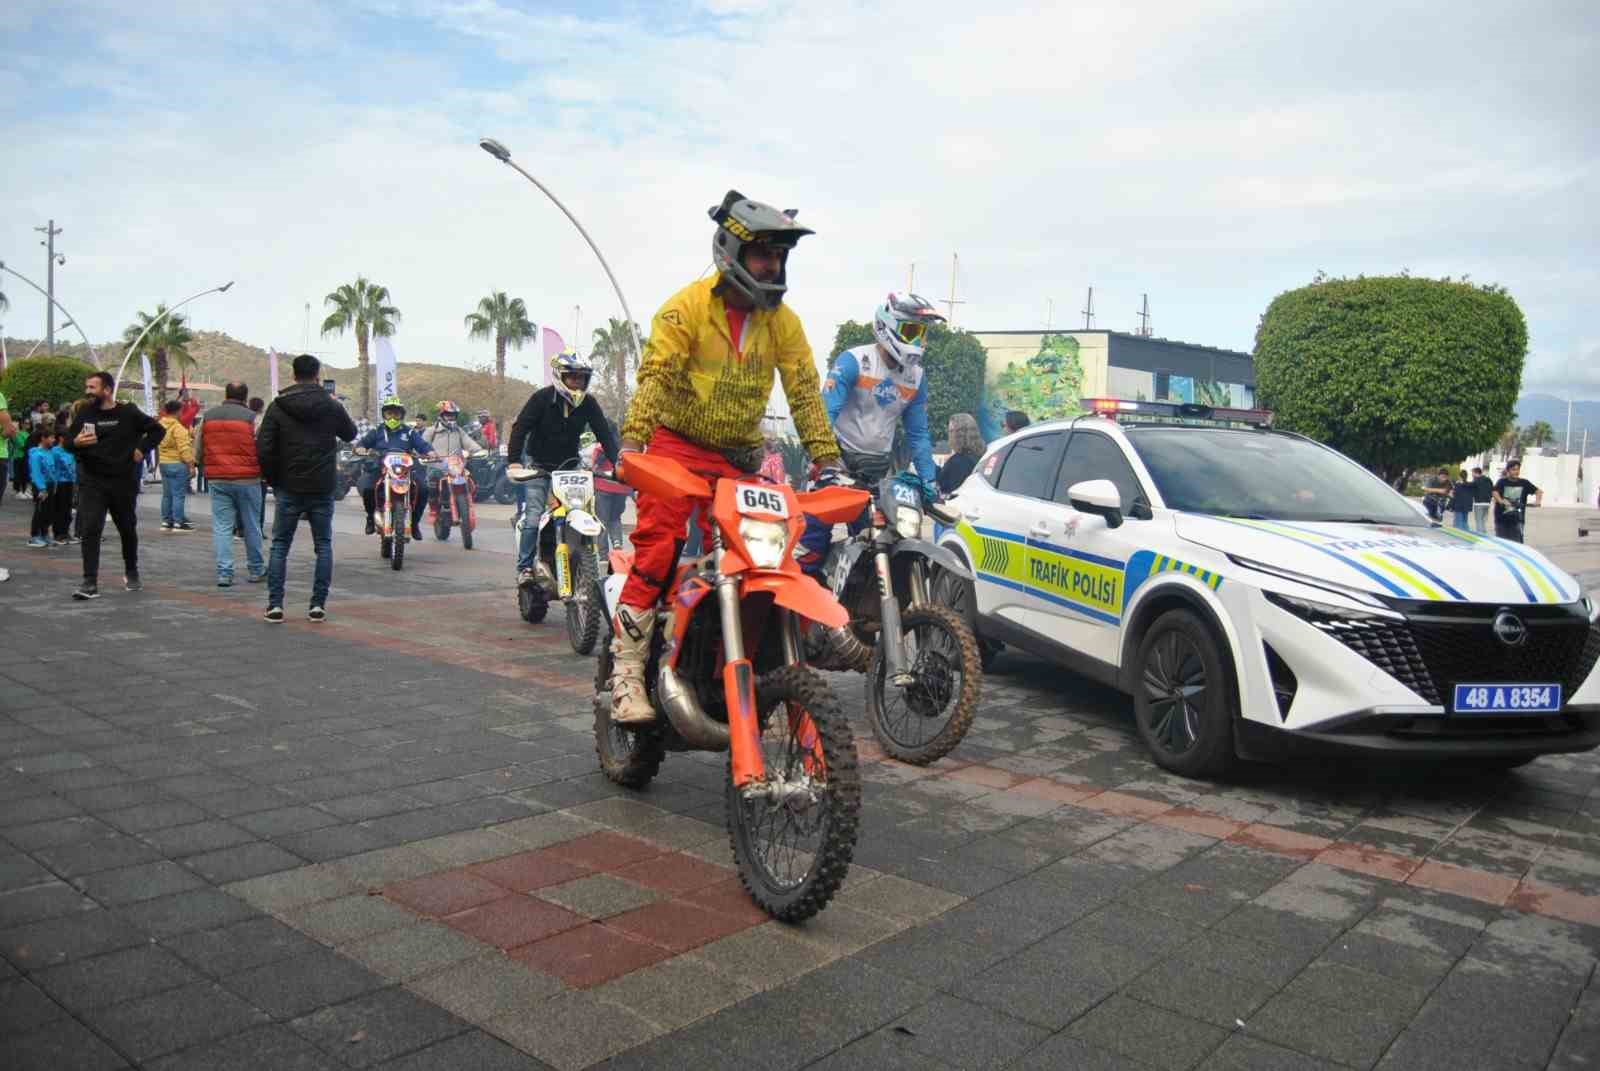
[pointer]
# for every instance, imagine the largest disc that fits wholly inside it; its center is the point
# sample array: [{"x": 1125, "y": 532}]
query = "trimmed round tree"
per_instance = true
[
  {"x": 1395, "y": 372},
  {"x": 57, "y": 380}
]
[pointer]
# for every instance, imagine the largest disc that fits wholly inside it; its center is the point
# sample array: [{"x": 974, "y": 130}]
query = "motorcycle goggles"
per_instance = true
[
  {"x": 576, "y": 380},
  {"x": 912, "y": 332}
]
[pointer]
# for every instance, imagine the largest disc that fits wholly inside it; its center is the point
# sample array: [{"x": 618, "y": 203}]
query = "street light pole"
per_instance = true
[
  {"x": 50, "y": 298},
  {"x": 50, "y": 230},
  {"x": 223, "y": 289},
  {"x": 503, "y": 154}
]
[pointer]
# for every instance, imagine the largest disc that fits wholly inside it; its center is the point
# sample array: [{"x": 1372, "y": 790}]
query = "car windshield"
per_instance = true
[{"x": 1230, "y": 472}]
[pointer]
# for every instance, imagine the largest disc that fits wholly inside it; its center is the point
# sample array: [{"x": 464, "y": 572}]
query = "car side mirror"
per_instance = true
[{"x": 1099, "y": 497}]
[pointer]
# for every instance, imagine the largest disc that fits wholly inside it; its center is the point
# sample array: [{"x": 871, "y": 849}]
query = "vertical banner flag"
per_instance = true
[
  {"x": 553, "y": 344},
  {"x": 149, "y": 392},
  {"x": 388, "y": 373},
  {"x": 272, "y": 370}
]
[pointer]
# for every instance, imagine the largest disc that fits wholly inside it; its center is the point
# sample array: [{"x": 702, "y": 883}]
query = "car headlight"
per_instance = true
[
  {"x": 1355, "y": 594},
  {"x": 765, "y": 541},
  {"x": 908, "y": 522}
]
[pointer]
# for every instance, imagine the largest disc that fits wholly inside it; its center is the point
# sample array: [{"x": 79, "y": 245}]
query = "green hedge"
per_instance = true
[
  {"x": 58, "y": 380},
  {"x": 1393, "y": 371}
]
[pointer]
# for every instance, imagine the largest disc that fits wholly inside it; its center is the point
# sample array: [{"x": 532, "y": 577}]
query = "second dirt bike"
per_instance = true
[
  {"x": 924, "y": 673},
  {"x": 571, "y": 545},
  {"x": 451, "y": 501},
  {"x": 726, "y": 672}
]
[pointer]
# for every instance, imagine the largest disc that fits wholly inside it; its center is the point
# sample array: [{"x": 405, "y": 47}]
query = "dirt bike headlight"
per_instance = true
[
  {"x": 765, "y": 541},
  {"x": 578, "y": 497},
  {"x": 908, "y": 522}
]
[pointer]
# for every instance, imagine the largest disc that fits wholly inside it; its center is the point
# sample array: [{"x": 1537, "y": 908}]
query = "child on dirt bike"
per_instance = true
[
  {"x": 392, "y": 436},
  {"x": 545, "y": 437}
]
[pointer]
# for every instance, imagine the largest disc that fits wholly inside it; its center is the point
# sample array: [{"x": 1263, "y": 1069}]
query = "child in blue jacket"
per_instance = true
[
  {"x": 42, "y": 478},
  {"x": 66, "y": 489}
]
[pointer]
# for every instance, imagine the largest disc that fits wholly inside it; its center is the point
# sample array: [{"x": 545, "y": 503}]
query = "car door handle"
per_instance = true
[{"x": 1039, "y": 528}]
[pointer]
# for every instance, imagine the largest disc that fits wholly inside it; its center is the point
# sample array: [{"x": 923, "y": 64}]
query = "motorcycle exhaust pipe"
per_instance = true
[{"x": 683, "y": 711}]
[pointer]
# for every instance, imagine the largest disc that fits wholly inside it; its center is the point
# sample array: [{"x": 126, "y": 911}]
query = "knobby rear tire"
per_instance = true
[
  {"x": 629, "y": 758},
  {"x": 840, "y": 815}
]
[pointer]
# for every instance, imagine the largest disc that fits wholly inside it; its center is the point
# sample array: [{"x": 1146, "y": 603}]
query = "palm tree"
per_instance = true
[
  {"x": 506, "y": 321},
  {"x": 364, "y": 308},
  {"x": 613, "y": 347},
  {"x": 166, "y": 345}
]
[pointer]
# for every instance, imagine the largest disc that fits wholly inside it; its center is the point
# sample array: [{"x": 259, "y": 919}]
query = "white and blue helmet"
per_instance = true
[{"x": 901, "y": 327}]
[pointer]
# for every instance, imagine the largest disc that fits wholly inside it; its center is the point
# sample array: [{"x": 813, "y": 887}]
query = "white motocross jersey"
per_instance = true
[{"x": 865, "y": 398}]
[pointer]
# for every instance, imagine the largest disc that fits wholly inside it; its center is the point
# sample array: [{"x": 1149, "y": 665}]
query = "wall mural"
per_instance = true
[{"x": 1046, "y": 386}]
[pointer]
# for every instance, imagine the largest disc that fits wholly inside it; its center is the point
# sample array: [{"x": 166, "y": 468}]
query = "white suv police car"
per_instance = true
[{"x": 1258, "y": 593}]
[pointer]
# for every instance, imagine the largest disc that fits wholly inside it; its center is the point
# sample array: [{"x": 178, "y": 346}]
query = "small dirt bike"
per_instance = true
[
  {"x": 392, "y": 510},
  {"x": 571, "y": 545},
  {"x": 924, "y": 673},
  {"x": 451, "y": 502},
  {"x": 727, "y": 673}
]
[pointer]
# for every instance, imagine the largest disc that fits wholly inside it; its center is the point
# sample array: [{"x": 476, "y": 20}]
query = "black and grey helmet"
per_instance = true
[{"x": 741, "y": 222}]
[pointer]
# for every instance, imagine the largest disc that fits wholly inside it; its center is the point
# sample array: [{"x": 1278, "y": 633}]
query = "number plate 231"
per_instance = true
[{"x": 754, "y": 498}]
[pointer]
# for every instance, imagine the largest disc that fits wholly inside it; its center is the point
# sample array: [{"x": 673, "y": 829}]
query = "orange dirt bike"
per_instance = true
[
  {"x": 726, "y": 672},
  {"x": 452, "y": 499},
  {"x": 392, "y": 504}
]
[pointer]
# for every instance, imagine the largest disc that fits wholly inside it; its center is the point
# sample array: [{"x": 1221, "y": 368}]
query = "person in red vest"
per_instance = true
[
  {"x": 188, "y": 408},
  {"x": 225, "y": 446}
]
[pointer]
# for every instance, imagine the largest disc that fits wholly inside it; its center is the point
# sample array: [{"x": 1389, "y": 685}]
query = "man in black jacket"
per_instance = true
[
  {"x": 296, "y": 445},
  {"x": 111, "y": 440},
  {"x": 545, "y": 436}
]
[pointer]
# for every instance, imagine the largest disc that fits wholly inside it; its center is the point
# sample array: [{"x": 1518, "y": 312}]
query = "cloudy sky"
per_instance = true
[{"x": 1212, "y": 154}]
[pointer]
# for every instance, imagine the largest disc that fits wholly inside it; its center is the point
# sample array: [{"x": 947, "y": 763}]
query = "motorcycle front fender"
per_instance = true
[
  {"x": 940, "y": 556},
  {"x": 584, "y": 523},
  {"x": 796, "y": 592}
]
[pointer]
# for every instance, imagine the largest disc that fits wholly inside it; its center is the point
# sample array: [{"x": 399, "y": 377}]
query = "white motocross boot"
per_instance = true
[{"x": 631, "y": 630}]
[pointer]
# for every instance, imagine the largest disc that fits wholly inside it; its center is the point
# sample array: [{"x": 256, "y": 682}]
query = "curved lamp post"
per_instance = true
[
  {"x": 503, "y": 154},
  {"x": 223, "y": 289},
  {"x": 73, "y": 320}
]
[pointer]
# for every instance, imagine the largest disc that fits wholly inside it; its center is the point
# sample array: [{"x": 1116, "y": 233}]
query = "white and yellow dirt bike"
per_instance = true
[{"x": 572, "y": 544}]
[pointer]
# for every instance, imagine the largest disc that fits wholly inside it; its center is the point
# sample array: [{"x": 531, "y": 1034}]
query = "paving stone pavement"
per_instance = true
[{"x": 381, "y": 842}]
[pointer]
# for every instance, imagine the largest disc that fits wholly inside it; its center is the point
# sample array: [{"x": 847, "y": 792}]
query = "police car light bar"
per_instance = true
[{"x": 1122, "y": 409}]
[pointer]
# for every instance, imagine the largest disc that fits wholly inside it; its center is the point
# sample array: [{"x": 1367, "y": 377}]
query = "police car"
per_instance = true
[{"x": 1258, "y": 593}]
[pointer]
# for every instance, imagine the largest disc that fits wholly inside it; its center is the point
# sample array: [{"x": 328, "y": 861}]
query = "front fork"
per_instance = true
[
  {"x": 738, "y": 684},
  {"x": 890, "y": 635}
]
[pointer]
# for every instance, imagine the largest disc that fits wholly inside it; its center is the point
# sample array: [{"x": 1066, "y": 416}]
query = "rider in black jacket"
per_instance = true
[{"x": 545, "y": 436}]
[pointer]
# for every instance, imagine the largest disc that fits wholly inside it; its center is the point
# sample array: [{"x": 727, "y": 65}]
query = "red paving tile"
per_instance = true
[
  {"x": 528, "y": 871},
  {"x": 677, "y": 924},
  {"x": 1281, "y": 841},
  {"x": 514, "y": 921},
  {"x": 674, "y": 873},
  {"x": 1367, "y": 860},
  {"x": 1193, "y": 821},
  {"x": 1473, "y": 884},
  {"x": 989, "y": 776},
  {"x": 1559, "y": 903},
  {"x": 444, "y": 893},
  {"x": 589, "y": 955},
  {"x": 603, "y": 851},
  {"x": 728, "y": 899},
  {"x": 1123, "y": 804},
  {"x": 1042, "y": 788}
]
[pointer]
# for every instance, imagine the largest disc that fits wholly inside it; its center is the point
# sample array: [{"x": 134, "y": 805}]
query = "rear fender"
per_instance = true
[{"x": 796, "y": 592}]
